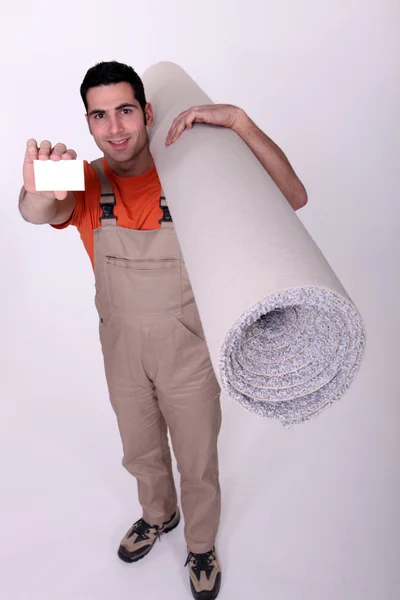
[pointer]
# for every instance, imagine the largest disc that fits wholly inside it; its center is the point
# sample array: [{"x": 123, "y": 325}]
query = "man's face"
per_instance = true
[{"x": 114, "y": 116}]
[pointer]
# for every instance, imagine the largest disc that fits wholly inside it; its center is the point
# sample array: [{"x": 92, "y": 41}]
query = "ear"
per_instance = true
[{"x": 149, "y": 114}]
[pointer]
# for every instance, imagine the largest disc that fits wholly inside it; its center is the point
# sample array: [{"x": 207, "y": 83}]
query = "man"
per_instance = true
[{"x": 158, "y": 369}]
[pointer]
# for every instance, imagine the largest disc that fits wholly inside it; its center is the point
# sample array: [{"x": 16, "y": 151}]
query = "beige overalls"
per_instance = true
[{"x": 158, "y": 370}]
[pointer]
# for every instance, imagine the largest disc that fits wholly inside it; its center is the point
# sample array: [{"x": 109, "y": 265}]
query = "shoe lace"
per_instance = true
[
  {"x": 202, "y": 562},
  {"x": 141, "y": 527}
]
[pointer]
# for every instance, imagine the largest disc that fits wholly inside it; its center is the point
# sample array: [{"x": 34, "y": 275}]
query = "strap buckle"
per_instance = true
[
  {"x": 166, "y": 213},
  {"x": 107, "y": 208}
]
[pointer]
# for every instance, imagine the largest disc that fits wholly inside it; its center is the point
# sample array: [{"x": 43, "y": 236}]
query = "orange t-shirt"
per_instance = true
[{"x": 137, "y": 204}]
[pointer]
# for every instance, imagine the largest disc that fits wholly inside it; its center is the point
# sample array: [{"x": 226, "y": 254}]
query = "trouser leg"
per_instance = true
[
  {"x": 189, "y": 397},
  {"x": 146, "y": 453}
]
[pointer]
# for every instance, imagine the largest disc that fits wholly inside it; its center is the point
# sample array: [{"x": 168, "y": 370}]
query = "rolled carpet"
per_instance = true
[{"x": 285, "y": 339}]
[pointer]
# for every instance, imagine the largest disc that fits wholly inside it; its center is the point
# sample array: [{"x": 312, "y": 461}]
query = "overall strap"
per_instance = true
[
  {"x": 166, "y": 218},
  {"x": 107, "y": 199}
]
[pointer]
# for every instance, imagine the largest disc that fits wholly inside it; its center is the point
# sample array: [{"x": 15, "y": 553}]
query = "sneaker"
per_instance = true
[
  {"x": 205, "y": 575},
  {"x": 141, "y": 538}
]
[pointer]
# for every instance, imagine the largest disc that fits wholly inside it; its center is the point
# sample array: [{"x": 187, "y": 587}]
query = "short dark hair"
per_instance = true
[{"x": 106, "y": 73}]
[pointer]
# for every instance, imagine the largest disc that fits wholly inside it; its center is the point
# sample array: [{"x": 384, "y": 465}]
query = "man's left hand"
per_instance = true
[{"x": 224, "y": 115}]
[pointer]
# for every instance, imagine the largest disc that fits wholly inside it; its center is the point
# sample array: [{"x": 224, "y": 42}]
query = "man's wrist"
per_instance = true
[{"x": 242, "y": 122}]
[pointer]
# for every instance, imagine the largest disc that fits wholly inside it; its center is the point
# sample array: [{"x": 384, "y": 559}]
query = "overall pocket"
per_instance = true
[{"x": 144, "y": 287}]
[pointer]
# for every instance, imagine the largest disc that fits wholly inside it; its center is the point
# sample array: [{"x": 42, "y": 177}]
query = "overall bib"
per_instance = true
[{"x": 158, "y": 370}]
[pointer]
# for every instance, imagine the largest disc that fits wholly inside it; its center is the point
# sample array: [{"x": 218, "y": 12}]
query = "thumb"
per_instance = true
[{"x": 60, "y": 195}]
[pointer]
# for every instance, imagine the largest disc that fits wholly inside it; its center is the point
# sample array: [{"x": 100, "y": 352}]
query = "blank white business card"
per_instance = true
[{"x": 60, "y": 175}]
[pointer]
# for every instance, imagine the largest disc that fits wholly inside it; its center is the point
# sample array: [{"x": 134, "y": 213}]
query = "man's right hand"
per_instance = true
[{"x": 44, "y": 152}]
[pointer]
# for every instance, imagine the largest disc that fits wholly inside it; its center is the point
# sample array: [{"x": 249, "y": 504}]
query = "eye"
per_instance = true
[
  {"x": 126, "y": 111},
  {"x": 99, "y": 115}
]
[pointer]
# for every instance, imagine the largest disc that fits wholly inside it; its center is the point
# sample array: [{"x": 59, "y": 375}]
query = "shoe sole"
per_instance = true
[{"x": 129, "y": 559}]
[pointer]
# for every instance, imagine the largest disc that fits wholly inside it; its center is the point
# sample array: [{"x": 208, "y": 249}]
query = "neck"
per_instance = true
[{"x": 139, "y": 164}]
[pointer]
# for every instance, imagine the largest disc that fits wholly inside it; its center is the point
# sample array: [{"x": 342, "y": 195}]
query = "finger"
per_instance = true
[
  {"x": 172, "y": 128},
  {"x": 60, "y": 195},
  {"x": 180, "y": 128},
  {"x": 31, "y": 150},
  {"x": 44, "y": 150},
  {"x": 69, "y": 154},
  {"x": 177, "y": 129},
  {"x": 169, "y": 135},
  {"x": 168, "y": 140},
  {"x": 58, "y": 151},
  {"x": 175, "y": 122}
]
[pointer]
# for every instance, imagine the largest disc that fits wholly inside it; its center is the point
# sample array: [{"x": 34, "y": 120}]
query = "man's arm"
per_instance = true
[
  {"x": 39, "y": 209},
  {"x": 268, "y": 153},
  {"x": 272, "y": 159}
]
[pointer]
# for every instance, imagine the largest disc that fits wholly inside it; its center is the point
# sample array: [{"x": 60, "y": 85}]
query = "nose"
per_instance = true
[{"x": 115, "y": 125}]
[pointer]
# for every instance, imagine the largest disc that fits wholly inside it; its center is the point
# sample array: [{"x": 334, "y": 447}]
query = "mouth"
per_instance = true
[{"x": 122, "y": 143}]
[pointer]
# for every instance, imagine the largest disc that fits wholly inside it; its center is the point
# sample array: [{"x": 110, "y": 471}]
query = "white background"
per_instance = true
[{"x": 310, "y": 513}]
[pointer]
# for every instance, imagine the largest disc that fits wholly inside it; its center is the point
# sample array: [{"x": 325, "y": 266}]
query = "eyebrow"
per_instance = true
[{"x": 120, "y": 107}]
